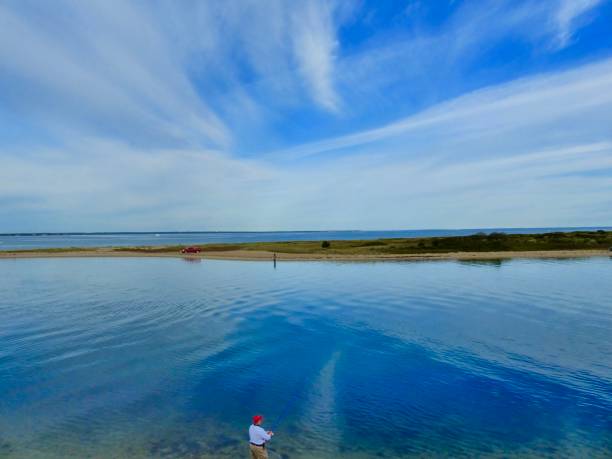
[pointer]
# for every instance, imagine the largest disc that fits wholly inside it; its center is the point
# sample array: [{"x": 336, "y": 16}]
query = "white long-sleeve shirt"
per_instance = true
[{"x": 257, "y": 435}]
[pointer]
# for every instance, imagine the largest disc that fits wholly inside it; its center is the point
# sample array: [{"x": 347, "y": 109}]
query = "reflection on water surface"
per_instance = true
[{"x": 168, "y": 358}]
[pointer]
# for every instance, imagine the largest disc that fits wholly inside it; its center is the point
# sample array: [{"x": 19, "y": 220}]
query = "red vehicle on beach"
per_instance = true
[{"x": 191, "y": 250}]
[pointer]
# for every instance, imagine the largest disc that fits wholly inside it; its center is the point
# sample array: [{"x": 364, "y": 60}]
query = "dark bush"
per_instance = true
[{"x": 325, "y": 244}]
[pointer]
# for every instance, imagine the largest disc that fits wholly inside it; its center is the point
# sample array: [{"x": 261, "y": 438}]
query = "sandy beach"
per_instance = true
[{"x": 266, "y": 255}]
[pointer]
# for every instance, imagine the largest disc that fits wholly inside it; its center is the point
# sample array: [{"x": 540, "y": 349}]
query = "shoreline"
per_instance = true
[{"x": 263, "y": 255}]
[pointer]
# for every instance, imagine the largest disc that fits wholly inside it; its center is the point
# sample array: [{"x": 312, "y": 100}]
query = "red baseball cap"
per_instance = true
[{"x": 257, "y": 418}]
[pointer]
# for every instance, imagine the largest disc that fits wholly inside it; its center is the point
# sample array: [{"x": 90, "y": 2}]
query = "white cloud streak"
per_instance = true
[
  {"x": 315, "y": 47},
  {"x": 531, "y": 101},
  {"x": 568, "y": 15},
  {"x": 107, "y": 70}
]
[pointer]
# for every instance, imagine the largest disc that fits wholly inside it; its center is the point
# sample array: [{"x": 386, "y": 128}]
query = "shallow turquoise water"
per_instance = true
[{"x": 117, "y": 358}]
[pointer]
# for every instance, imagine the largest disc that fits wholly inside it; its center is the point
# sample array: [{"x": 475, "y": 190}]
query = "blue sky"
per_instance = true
[{"x": 263, "y": 115}]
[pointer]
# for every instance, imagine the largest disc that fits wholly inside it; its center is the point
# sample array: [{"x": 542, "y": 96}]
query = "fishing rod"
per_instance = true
[
  {"x": 295, "y": 396},
  {"x": 289, "y": 405}
]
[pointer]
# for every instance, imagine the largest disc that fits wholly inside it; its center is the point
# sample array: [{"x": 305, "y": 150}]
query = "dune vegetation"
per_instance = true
[{"x": 480, "y": 242}]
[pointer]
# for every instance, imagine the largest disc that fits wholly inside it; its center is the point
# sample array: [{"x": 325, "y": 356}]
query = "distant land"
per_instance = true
[
  {"x": 98, "y": 239},
  {"x": 480, "y": 245}
]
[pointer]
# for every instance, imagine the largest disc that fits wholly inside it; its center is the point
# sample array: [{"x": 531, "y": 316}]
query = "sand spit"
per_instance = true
[{"x": 265, "y": 255}]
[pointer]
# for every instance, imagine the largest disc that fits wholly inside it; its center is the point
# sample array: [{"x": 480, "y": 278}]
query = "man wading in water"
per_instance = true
[{"x": 258, "y": 438}]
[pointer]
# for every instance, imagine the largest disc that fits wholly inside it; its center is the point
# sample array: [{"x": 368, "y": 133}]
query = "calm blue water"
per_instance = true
[
  {"x": 169, "y": 358},
  {"x": 50, "y": 240}
]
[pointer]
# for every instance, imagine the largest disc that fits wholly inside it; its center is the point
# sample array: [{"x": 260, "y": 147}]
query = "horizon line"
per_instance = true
[{"x": 67, "y": 233}]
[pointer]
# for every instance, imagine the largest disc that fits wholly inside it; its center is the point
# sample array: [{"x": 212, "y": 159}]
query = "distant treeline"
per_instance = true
[{"x": 499, "y": 242}]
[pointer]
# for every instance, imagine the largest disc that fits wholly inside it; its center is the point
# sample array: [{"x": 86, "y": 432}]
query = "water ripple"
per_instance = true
[{"x": 159, "y": 358}]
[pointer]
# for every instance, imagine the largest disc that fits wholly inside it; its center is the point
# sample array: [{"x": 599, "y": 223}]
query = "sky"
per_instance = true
[{"x": 153, "y": 115}]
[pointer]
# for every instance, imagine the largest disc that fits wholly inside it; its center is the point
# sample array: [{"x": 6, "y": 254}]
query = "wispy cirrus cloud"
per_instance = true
[
  {"x": 533, "y": 152},
  {"x": 569, "y": 13},
  {"x": 157, "y": 73},
  {"x": 530, "y": 104},
  {"x": 315, "y": 47},
  {"x": 125, "y": 115},
  {"x": 107, "y": 70},
  {"x": 419, "y": 65}
]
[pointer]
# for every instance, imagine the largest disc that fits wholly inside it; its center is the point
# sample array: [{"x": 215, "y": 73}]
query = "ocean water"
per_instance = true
[
  {"x": 54, "y": 240},
  {"x": 170, "y": 358}
]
